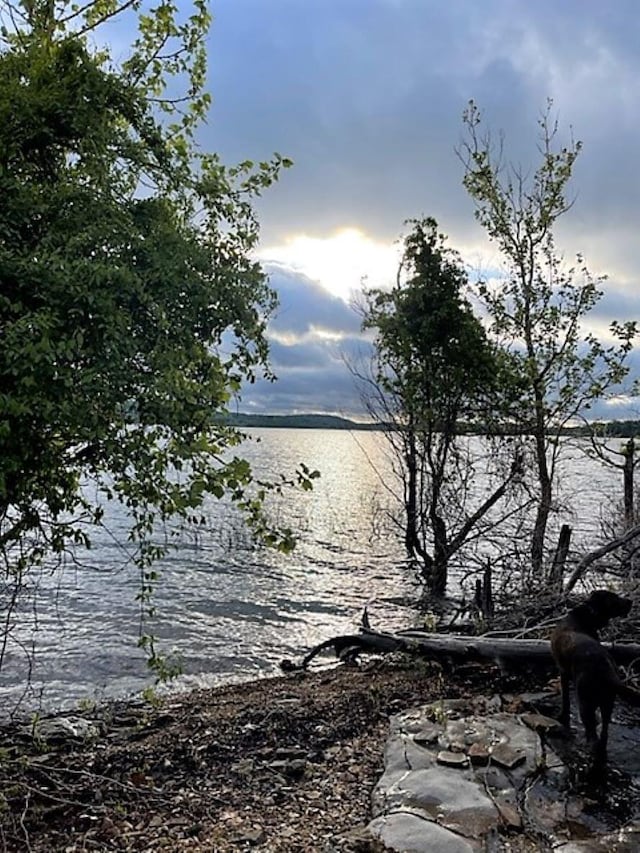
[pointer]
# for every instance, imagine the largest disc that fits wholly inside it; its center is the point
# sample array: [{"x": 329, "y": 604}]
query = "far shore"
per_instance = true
[{"x": 610, "y": 429}]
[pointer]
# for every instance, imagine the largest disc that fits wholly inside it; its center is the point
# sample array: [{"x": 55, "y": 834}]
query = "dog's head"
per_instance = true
[{"x": 602, "y": 606}]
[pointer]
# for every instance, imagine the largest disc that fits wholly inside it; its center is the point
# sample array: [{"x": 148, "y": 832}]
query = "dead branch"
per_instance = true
[{"x": 590, "y": 558}]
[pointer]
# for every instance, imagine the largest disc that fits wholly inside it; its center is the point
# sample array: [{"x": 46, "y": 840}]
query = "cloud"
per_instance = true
[
  {"x": 312, "y": 337},
  {"x": 306, "y": 308},
  {"x": 345, "y": 91},
  {"x": 617, "y": 303},
  {"x": 340, "y": 262},
  {"x": 312, "y": 377},
  {"x": 316, "y": 337},
  {"x": 367, "y": 98}
]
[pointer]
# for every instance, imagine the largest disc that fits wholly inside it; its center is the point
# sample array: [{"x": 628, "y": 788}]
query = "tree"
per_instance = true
[
  {"x": 433, "y": 368},
  {"x": 536, "y": 311},
  {"x": 130, "y": 310}
]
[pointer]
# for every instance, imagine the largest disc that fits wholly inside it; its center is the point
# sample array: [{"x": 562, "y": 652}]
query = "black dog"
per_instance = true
[{"x": 576, "y": 648}]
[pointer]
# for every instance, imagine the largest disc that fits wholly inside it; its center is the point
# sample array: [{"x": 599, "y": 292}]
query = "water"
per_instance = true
[{"x": 229, "y": 610}]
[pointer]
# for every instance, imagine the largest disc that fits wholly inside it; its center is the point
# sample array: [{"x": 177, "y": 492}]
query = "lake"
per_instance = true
[{"x": 232, "y": 611}]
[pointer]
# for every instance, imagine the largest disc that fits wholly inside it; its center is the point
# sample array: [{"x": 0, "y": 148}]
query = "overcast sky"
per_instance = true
[{"x": 366, "y": 97}]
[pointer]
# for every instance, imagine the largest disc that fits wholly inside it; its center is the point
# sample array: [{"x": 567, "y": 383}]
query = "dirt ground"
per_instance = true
[{"x": 285, "y": 764}]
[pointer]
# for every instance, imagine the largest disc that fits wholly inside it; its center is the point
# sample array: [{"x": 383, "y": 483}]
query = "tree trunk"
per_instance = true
[
  {"x": 560, "y": 558},
  {"x": 483, "y": 598},
  {"x": 544, "y": 505},
  {"x": 440, "y": 568},
  {"x": 627, "y": 473},
  {"x": 411, "y": 496}
]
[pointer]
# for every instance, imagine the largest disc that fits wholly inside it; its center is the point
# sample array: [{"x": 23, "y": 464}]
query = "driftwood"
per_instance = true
[
  {"x": 446, "y": 647},
  {"x": 348, "y": 647}
]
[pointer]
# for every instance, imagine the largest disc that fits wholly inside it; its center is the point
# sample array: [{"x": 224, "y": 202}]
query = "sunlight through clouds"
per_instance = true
[
  {"x": 374, "y": 143},
  {"x": 341, "y": 262}
]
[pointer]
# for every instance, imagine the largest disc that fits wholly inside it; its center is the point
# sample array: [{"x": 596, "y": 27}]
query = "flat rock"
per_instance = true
[
  {"x": 540, "y": 722},
  {"x": 455, "y": 782},
  {"x": 61, "y": 728},
  {"x": 510, "y": 815},
  {"x": 453, "y": 759},
  {"x": 427, "y": 735},
  {"x": 479, "y": 753},
  {"x": 411, "y": 833},
  {"x": 505, "y": 756}
]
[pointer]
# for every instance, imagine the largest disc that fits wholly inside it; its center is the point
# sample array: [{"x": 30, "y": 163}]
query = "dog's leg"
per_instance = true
[
  {"x": 589, "y": 719},
  {"x": 565, "y": 713},
  {"x": 606, "y": 709}
]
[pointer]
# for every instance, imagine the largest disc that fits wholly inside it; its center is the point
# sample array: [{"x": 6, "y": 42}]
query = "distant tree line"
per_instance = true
[{"x": 609, "y": 429}]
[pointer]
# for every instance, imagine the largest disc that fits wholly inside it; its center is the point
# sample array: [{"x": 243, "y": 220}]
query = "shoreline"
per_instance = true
[
  {"x": 94, "y": 701},
  {"x": 278, "y": 764},
  {"x": 281, "y": 765}
]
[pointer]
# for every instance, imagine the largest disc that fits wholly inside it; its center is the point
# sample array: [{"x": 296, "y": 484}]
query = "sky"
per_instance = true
[{"x": 366, "y": 97}]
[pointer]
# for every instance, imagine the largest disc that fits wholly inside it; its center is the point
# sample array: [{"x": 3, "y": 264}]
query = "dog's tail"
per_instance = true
[{"x": 628, "y": 694}]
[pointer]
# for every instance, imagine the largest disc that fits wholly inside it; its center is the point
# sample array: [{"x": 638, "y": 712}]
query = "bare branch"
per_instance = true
[{"x": 590, "y": 558}]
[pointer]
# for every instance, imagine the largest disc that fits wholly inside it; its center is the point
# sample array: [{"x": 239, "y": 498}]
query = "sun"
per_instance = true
[{"x": 341, "y": 262}]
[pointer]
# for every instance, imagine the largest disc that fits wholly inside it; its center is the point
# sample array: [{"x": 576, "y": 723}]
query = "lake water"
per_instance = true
[{"x": 232, "y": 611}]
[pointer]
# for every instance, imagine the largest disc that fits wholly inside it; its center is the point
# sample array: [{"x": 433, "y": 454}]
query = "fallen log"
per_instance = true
[
  {"x": 447, "y": 647},
  {"x": 502, "y": 649},
  {"x": 347, "y": 647}
]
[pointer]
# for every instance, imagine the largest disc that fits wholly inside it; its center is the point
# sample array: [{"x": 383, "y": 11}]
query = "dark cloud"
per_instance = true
[
  {"x": 313, "y": 338},
  {"x": 311, "y": 378},
  {"x": 354, "y": 92},
  {"x": 297, "y": 356},
  {"x": 306, "y": 306},
  {"x": 313, "y": 370},
  {"x": 617, "y": 304}
]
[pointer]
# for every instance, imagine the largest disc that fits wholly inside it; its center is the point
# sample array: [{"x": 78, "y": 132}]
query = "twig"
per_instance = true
[{"x": 22, "y": 817}]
